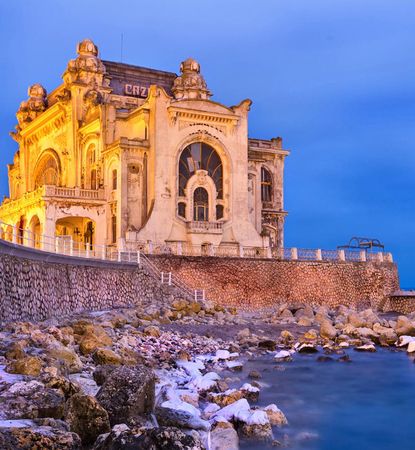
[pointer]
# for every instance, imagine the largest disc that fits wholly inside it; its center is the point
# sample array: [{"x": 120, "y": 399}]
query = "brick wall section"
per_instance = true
[
  {"x": 253, "y": 283},
  {"x": 43, "y": 285}
]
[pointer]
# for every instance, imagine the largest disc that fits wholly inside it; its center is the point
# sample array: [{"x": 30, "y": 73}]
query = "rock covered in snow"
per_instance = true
[{"x": 275, "y": 415}]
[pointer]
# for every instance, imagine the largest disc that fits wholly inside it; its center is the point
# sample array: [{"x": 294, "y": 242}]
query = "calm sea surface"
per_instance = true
[{"x": 368, "y": 403}]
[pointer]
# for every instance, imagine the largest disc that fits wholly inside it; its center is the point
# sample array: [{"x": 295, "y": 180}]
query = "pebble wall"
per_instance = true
[
  {"x": 36, "y": 289},
  {"x": 253, "y": 283}
]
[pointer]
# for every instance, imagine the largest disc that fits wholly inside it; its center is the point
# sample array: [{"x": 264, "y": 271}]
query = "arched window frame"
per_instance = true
[
  {"x": 189, "y": 179},
  {"x": 46, "y": 160}
]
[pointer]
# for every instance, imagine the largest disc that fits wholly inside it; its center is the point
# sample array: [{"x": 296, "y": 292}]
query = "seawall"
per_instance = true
[
  {"x": 255, "y": 283},
  {"x": 36, "y": 285}
]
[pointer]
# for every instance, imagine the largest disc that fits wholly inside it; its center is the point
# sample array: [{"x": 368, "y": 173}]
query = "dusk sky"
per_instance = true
[{"x": 334, "y": 78}]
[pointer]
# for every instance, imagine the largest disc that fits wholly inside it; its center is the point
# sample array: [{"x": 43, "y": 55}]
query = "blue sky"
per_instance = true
[{"x": 334, "y": 78}]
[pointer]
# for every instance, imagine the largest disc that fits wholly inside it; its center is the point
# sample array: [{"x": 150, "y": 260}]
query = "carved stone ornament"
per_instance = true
[
  {"x": 35, "y": 105},
  {"x": 190, "y": 84},
  {"x": 87, "y": 68}
]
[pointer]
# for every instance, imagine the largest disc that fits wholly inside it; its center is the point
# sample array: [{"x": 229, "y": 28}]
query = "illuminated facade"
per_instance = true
[{"x": 123, "y": 155}]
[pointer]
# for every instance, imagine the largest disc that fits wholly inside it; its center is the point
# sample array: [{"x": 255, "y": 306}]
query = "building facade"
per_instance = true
[{"x": 121, "y": 155}]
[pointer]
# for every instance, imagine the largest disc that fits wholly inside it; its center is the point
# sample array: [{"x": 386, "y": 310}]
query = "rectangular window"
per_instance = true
[
  {"x": 114, "y": 180},
  {"x": 114, "y": 229}
]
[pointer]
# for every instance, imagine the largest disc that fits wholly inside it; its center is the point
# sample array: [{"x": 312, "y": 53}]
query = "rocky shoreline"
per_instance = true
[{"x": 160, "y": 376}]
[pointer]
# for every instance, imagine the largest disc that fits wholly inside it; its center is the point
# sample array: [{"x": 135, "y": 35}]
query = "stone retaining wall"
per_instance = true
[
  {"x": 36, "y": 285},
  {"x": 403, "y": 304},
  {"x": 253, "y": 283}
]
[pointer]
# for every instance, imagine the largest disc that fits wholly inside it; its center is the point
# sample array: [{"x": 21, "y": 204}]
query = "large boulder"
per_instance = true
[
  {"x": 161, "y": 438},
  {"x": 31, "y": 400},
  {"x": 40, "y": 437},
  {"x": 86, "y": 417},
  {"x": 168, "y": 417},
  {"x": 356, "y": 320},
  {"x": 28, "y": 365},
  {"x": 105, "y": 356},
  {"x": 128, "y": 394},
  {"x": 93, "y": 337},
  {"x": 224, "y": 437},
  {"x": 404, "y": 327},
  {"x": 327, "y": 330},
  {"x": 65, "y": 357}
]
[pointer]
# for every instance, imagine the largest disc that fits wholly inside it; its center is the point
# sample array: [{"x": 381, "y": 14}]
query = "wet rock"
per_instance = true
[
  {"x": 387, "y": 336},
  {"x": 305, "y": 321},
  {"x": 311, "y": 335},
  {"x": 307, "y": 348},
  {"x": 161, "y": 438},
  {"x": 101, "y": 373},
  {"x": 226, "y": 398},
  {"x": 256, "y": 425},
  {"x": 286, "y": 314},
  {"x": 168, "y": 417},
  {"x": 283, "y": 355},
  {"x": 355, "y": 320},
  {"x": 327, "y": 330},
  {"x": 31, "y": 400},
  {"x": 367, "y": 333},
  {"x": 224, "y": 437},
  {"x": 275, "y": 415},
  {"x": 16, "y": 350},
  {"x": 287, "y": 337},
  {"x": 366, "y": 348},
  {"x": 152, "y": 331},
  {"x": 28, "y": 365},
  {"x": 93, "y": 337},
  {"x": 61, "y": 383},
  {"x": 86, "y": 417},
  {"x": 38, "y": 437},
  {"x": 325, "y": 359},
  {"x": 404, "y": 327},
  {"x": 67, "y": 359},
  {"x": 127, "y": 394},
  {"x": 105, "y": 356},
  {"x": 267, "y": 344},
  {"x": 254, "y": 374}
]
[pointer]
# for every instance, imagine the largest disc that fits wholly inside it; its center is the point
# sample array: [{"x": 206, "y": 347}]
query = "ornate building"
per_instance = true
[{"x": 121, "y": 155}]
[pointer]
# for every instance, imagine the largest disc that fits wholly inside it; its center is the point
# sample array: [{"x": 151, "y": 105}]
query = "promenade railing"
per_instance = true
[{"x": 136, "y": 251}]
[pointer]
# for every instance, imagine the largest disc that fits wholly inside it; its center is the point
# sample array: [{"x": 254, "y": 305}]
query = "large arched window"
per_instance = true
[
  {"x": 46, "y": 171},
  {"x": 266, "y": 185},
  {"x": 200, "y": 156},
  {"x": 200, "y": 204}
]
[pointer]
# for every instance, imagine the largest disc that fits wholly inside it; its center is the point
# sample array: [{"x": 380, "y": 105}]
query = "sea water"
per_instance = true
[{"x": 367, "y": 403}]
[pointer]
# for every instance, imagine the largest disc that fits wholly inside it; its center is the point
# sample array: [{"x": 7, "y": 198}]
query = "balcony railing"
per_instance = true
[{"x": 203, "y": 227}]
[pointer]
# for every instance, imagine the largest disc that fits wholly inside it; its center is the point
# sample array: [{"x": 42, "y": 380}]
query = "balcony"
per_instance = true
[
  {"x": 73, "y": 193},
  {"x": 204, "y": 227}
]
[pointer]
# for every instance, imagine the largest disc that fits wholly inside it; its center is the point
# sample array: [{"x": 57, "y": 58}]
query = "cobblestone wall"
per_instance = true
[
  {"x": 404, "y": 304},
  {"x": 32, "y": 288},
  {"x": 250, "y": 283}
]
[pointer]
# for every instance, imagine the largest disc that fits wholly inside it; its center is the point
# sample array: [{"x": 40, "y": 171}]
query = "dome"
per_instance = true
[
  {"x": 190, "y": 65},
  {"x": 87, "y": 47}
]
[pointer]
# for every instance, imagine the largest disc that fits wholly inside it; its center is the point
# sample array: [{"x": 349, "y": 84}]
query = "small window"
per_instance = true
[
  {"x": 219, "y": 212},
  {"x": 114, "y": 229},
  {"x": 114, "y": 180},
  {"x": 266, "y": 185},
  {"x": 200, "y": 205},
  {"x": 93, "y": 179},
  {"x": 181, "y": 209}
]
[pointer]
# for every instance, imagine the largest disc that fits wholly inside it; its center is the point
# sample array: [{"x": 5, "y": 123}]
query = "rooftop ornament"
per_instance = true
[{"x": 362, "y": 243}]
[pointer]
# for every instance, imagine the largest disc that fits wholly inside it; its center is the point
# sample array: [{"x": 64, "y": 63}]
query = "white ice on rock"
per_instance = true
[
  {"x": 249, "y": 388},
  {"x": 282, "y": 355},
  {"x": 193, "y": 368},
  {"x": 17, "y": 423},
  {"x": 405, "y": 340},
  {"x": 229, "y": 412},
  {"x": 10, "y": 378},
  {"x": 204, "y": 382},
  {"x": 180, "y": 405}
]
